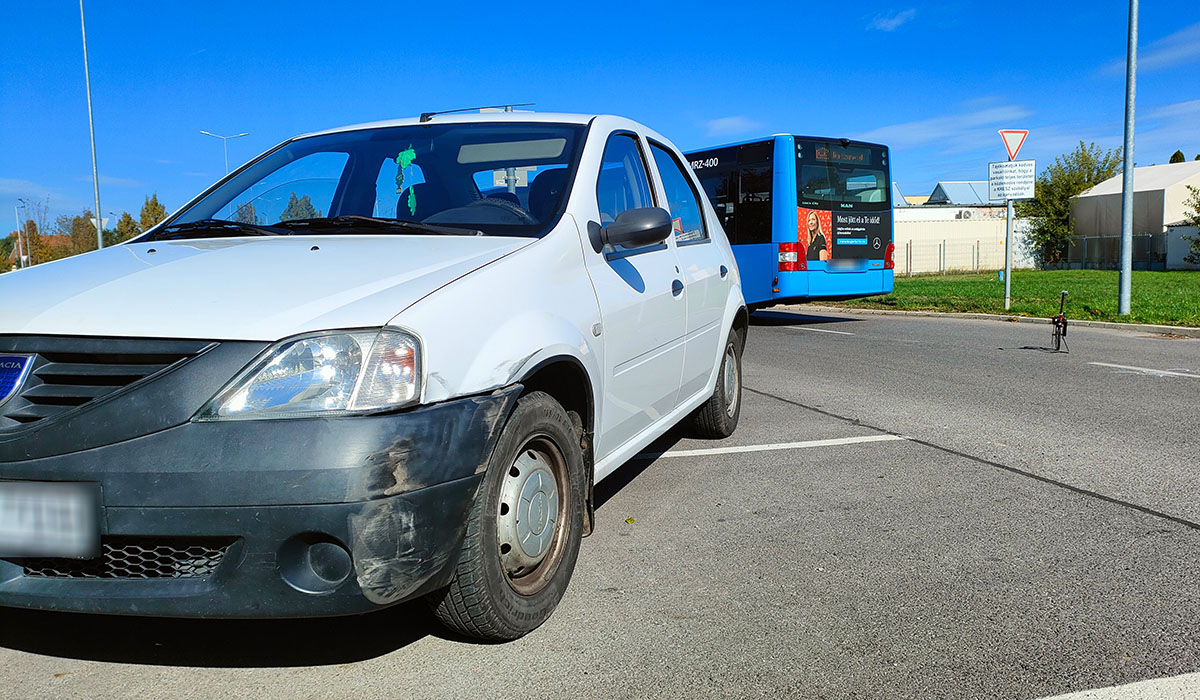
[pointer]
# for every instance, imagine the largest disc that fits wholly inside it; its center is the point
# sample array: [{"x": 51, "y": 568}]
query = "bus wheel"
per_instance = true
[
  {"x": 718, "y": 417},
  {"x": 524, "y": 531}
]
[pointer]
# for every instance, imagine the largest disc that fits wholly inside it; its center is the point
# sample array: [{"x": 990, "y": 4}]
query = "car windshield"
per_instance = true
[{"x": 506, "y": 179}]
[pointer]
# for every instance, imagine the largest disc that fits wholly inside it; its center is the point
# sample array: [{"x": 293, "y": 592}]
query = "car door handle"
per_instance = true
[
  {"x": 724, "y": 272},
  {"x": 676, "y": 288}
]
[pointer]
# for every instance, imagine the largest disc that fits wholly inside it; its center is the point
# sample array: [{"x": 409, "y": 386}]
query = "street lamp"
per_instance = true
[
  {"x": 22, "y": 250},
  {"x": 224, "y": 142},
  {"x": 87, "y": 79}
]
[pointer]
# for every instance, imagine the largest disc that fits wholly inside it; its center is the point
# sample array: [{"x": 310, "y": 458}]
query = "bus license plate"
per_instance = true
[{"x": 44, "y": 519}]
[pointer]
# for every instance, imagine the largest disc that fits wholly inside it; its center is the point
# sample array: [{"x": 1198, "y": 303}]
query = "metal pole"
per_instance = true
[
  {"x": 87, "y": 79},
  {"x": 225, "y": 143},
  {"x": 1127, "y": 176},
  {"x": 20, "y": 255},
  {"x": 1008, "y": 231},
  {"x": 22, "y": 234}
]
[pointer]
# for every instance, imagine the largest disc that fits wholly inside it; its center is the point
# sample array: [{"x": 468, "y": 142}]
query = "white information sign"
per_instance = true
[{"x": 1011, "y": 180}]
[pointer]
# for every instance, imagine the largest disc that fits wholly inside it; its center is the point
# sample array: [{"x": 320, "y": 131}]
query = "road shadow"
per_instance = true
[
  {"x": 217, "y": 643},
  {"x": 792, "y": 318},
  {"x": 631, "y": 470}
]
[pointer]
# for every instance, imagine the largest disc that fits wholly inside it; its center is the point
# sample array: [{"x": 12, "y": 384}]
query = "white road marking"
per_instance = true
[
  {"x": 772, "y": 447},
  {"x": 1146, "y": 370},
  {"x": 816, "y": 330}
]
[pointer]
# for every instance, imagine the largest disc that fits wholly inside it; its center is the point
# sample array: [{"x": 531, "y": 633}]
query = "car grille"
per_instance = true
[
  {"x": 138, "y": 558},
  {"x": 71, "y": 372}
]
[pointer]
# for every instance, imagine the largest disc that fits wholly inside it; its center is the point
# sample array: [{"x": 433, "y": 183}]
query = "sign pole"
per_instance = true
[
  {"x": 1008, "y": 230},
  {"x": 1009, "y": 181}
]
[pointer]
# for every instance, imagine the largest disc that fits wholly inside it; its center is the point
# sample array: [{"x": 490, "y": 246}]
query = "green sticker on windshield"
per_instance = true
[{"x": 404, "y": 159}]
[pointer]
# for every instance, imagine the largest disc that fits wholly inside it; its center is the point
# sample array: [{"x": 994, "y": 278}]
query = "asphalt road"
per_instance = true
[{"x": 965, "y": 515}]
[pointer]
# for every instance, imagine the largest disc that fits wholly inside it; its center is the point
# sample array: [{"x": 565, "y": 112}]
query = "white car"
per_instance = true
[{"x": 376, "y": 363}]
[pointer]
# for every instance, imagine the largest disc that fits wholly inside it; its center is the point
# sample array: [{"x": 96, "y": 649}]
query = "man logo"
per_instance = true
[{"x": 13, "y": 370}]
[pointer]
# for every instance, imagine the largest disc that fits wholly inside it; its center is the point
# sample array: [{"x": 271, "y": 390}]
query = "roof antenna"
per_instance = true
[{"x": 427, "y": 116}]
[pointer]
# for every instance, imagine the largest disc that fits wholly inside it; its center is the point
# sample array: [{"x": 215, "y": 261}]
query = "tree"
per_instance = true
[
  {"x": 33, "y": 243},
  {"x": 152, "y": 212},
  {"x": 37, "y": 214},
  {"x": 1177, "y": 157},
  {"x": 1049, "y": 212},
  {"x": 126, "y": 228},
  {"x": 8, "y": 246},
  {"x": 247, "y": 214},
  {"x": 299, "y": 208},
  {"x": 1192, "y": 216},
  {"x": 81, "y": 230}
]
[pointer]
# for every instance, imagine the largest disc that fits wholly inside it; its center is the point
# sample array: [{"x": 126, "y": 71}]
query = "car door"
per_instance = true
[
  {"x": 641, "y": 304},
  {"x": 704, "y": 267}
]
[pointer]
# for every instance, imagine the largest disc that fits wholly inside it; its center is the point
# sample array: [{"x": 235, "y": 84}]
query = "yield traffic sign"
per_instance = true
[{"x": 1013, "y": 138}]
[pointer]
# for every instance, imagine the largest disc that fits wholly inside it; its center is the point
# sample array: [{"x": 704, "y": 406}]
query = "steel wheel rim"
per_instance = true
[
  {"x": 732, "y": 381},
  {"x": 531, "y": 515}
]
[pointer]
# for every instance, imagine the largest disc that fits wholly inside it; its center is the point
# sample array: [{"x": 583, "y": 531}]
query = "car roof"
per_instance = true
[{"x": 466, "y": 118}]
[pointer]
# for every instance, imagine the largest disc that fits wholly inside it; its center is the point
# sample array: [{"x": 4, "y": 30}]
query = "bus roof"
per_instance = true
[{"x": 772, "y": 137}]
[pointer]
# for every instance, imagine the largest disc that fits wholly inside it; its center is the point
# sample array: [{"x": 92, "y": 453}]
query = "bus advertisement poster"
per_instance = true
[{"x": 814, "y": 227}]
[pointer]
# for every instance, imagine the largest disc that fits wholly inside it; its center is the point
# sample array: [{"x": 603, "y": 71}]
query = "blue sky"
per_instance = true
[{"x": 933, "y": 80}]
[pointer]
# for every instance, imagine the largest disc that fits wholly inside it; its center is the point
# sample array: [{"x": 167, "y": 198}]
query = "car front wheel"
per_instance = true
[{"x": 524, "y": 531}]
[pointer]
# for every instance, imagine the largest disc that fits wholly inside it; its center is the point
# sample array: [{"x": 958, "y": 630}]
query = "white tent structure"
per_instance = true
[{"x": 1159, "y": 193}]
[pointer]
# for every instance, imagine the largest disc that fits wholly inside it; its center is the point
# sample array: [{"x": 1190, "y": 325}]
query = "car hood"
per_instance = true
[{"x": 239, "y": 288}]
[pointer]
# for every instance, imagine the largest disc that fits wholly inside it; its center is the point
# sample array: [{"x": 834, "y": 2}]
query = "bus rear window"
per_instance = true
[{"x": 853, "y": 176}]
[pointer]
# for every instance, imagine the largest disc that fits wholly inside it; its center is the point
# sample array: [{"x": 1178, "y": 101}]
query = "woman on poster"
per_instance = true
[{"x": 818, "y": 246}]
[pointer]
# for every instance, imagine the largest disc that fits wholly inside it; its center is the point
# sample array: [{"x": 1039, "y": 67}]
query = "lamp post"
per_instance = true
[
  {"x": 22, "y": 249},
  {"x": 91, "y": 129},
  {"x": 225, "y": 143},
  {"x": 1125, "y": 277}
]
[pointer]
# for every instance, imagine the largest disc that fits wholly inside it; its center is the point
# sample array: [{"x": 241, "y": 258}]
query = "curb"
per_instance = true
[{"x": 1138, "y": 327}]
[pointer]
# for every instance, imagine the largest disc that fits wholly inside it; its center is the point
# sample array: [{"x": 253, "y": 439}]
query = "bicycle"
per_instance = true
[{"x": 1060, "y": 324}]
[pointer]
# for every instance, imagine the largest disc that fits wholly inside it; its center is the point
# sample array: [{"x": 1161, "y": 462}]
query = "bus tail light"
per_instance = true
[
  {"x": 789, "y": 258},
  {"x": 889, "y": 257}
]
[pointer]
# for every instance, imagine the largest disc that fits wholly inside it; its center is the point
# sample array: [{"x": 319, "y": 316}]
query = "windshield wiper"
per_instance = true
[
  {"x": 371, "y": 224},
  {"x": 215, "y": 228}
]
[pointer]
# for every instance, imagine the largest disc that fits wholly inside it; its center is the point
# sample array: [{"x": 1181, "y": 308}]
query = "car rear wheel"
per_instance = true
[
  {"x": 718, "y": 417},
  {"x": 524, "y": 531}
]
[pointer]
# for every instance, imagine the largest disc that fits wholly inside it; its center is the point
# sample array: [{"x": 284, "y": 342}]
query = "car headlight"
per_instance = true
[{"x": 334, "y": 373}]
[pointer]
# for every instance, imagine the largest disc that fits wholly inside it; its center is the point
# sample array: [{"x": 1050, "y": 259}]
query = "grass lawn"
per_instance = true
[{"x": 1168, "y": 298}]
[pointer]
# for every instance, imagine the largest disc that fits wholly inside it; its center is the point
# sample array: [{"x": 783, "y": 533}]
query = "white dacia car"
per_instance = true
[{"x": 374, "y": 364}]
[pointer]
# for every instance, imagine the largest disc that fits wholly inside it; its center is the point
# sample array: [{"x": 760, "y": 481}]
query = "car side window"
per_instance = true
[
  {"x": 623, "y": 183},
  {"x": 682, "y": 199}
]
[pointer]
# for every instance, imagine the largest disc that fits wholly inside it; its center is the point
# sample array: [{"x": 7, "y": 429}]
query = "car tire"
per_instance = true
[
  {"x": 525, "y": 528},
  {"x": 718, "y": 417}
]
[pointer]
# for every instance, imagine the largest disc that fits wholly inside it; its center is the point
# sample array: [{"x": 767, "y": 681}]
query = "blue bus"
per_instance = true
[{"x": 809, "y": 218}]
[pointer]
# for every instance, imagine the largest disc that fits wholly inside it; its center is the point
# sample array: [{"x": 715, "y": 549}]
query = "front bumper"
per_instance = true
[{"x": 220, "y": 519}]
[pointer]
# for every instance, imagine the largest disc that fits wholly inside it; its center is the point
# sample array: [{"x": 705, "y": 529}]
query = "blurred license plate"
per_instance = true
[
  {"x": 43, "y": 519},
  {"x": 845, "y": 265}
]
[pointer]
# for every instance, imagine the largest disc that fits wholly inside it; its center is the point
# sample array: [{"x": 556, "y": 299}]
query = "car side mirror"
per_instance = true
[{"x": 635, "y": 228}]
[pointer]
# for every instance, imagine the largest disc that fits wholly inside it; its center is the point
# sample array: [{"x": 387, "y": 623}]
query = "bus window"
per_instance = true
[
  {"x": 738, "y": 181},
  {"x": 830, "y": 173},
  {"x": 754, "y": 198}
]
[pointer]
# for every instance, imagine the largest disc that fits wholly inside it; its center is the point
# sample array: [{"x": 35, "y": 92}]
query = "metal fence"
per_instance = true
[{"x": 1104, "y": 253}]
